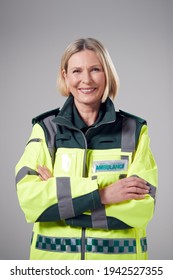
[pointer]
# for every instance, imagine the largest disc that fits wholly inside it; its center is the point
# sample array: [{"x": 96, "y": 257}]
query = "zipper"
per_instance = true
[{"x": 83, "y": 244}]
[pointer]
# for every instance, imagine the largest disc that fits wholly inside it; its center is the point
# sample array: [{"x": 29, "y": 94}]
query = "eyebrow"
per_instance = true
[{"x": 80, "y": 67}]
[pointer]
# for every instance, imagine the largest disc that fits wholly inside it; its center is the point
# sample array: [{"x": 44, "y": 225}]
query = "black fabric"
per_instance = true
[
  {"x": 51, "y": 214},
  {"x": 86, "y": 221}
]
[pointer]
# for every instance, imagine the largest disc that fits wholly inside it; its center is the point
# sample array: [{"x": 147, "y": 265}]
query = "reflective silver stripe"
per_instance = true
[
  {"x": 111, "y": 246},
  {"x": 92, "y": 245},
  {"x": 123, "y": 157},
  {"x": 68, "y": 245},
  {"x": 99, "y": 219},
  {"x": 98, "y": 216},
  {"x": 51, "y": 132},
  {"x": 65, "y": 203},
  {"x": 25, "y": 171},
  {"x": 152, "y": 191},
  {"x": 128, "y": 135}
]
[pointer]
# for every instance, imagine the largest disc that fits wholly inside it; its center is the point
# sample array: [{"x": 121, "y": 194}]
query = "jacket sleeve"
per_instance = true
[
  {"x": 50, "y": 200},
  {"x": 137, "y": 213},
  {"x": 131, "y": 213}
]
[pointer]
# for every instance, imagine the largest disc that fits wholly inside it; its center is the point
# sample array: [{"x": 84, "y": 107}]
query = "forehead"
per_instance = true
[{"x": 84, "y": 57}]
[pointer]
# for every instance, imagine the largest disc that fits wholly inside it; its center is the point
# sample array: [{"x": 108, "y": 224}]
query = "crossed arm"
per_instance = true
[{"x": 122, "y": 190}]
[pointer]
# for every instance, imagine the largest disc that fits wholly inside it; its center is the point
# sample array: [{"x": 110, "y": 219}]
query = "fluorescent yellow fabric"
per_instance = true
[{"x": 35, "y": 195}]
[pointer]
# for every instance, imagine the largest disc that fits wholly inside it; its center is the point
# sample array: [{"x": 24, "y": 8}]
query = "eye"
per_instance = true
[
  {"x": 96, "y": 69},
  {"x": 76, "y": 71}
]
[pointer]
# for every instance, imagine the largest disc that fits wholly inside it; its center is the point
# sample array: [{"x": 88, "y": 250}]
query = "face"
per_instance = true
[{"x": 85, "y": 78}]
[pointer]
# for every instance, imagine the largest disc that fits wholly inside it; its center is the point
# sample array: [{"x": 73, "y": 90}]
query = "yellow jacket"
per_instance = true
[{"x": 69, "y": 220}]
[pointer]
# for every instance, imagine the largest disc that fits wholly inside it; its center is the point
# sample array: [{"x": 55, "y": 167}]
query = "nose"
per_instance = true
[{"x": 86, "y": 77}]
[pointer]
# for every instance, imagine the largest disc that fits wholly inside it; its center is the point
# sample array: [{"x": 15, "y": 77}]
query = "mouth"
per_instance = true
[{"x": 87, "y": 90}]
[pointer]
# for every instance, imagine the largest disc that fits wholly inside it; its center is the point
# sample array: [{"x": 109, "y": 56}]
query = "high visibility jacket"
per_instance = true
[{"x": 69, "y": 219}]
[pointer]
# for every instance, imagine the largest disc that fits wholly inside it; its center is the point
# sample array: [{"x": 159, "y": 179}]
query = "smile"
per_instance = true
[{"x": 87, "y": 90}]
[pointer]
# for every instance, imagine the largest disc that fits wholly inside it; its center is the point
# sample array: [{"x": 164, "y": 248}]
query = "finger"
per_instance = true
[
  {"x": 47, "y": 172},
  {"x": 40, "y": 170},
  {"x": 136, "y": 182},
  {"x": 131, "y": 196},
  {"x": 41, "y": 173},
  {"x": 44, "y": 172},
  {"x": 140, "y": 186},
  {"x": 135, "y": 179},
  {"x": 138, "y": 190}
]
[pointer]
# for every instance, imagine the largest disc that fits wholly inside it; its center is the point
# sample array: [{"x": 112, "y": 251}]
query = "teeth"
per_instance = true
[{"x": 87, "y": 90}]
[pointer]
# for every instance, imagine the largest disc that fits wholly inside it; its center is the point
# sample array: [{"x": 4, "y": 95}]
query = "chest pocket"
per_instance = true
[
  {"x": 69, "y": 162},
  {"x": 112, "y": 164}
]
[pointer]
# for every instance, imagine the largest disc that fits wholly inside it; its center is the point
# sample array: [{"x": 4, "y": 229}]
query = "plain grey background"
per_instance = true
[{"x": 33, "y": 36}]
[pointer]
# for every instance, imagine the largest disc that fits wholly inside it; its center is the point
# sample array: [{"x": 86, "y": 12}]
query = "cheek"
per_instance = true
[
  {"x": 72, "y": 82},
  {"x": 101, "y": 80}
]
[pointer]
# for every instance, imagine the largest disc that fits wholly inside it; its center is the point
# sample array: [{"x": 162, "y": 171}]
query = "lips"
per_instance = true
[{"x": 87, "y": 90}]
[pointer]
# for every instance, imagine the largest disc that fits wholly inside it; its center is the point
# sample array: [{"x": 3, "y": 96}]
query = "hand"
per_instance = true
[
  {"x": 124, "y": 189},
  {"x": 44, "y": 173}
]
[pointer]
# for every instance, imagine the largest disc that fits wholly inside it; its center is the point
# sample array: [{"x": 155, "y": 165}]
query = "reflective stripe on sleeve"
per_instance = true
[
  {"x": 65, "y": 203},
  {"x": 152, "y": 191},
  {"x": 93, "y": 245},
  {"x": 25, "y": 171},
  {"x": 98, "y": 218}
]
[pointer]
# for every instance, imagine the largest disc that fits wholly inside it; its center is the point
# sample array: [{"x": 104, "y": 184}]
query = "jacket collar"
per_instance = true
[{"x": 66, "y": 115}]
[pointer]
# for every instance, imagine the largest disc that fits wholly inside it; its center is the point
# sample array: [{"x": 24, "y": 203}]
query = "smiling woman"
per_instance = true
[
  {"x": 103, "y": 59},
  {"x": 85, "y": 79},
  {"x": 87, "y": 178}
]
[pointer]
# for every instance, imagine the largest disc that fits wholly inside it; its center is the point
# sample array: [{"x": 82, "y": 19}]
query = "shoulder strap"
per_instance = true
[
  {"x": 128, "y": 139},
  {"x": 131, "y": 127},
  {"x": 140, "y": 120},
  {"x": 40, "y": 117},
  {"x": 50, "y": 129}
]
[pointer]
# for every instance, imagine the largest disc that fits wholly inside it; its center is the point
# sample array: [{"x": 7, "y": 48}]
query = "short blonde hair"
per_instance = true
[{"x": 112, "y": 80}]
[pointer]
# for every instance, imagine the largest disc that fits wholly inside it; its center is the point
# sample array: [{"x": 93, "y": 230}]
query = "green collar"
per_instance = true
[
  {"x": 79, "y": 123},
  {"x": 69, "y": 115}
]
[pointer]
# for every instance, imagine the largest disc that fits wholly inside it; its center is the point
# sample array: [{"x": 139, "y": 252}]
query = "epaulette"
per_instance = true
[
  {"x": 140, "y": 120},
  {"x": 45, "y": 115}
]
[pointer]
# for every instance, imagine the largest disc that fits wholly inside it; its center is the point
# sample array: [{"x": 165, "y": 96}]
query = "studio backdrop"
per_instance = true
[{"x": 33, "y": 35}]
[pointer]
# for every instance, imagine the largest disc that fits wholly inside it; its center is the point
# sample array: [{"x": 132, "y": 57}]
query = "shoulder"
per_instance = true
[
  {"x": 43, "y": 116},
  {"x": 129, "y": 115}
]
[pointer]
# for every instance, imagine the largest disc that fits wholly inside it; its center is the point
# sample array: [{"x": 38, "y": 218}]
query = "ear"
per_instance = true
[{"x": 64, "y": 74}]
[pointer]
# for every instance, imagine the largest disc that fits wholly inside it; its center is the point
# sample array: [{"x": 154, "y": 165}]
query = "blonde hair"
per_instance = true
[{"x": 112, "y": 80}]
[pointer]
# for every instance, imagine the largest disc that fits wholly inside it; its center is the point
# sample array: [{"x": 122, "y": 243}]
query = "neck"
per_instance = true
[{"x": 89, "y": 114}]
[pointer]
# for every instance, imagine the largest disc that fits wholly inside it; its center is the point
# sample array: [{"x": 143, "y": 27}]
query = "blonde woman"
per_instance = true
[{"x": 87, "y": 178}]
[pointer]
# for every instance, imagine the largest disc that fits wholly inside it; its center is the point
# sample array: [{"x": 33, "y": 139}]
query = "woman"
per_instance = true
[{"x": 87, "y": 178}]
